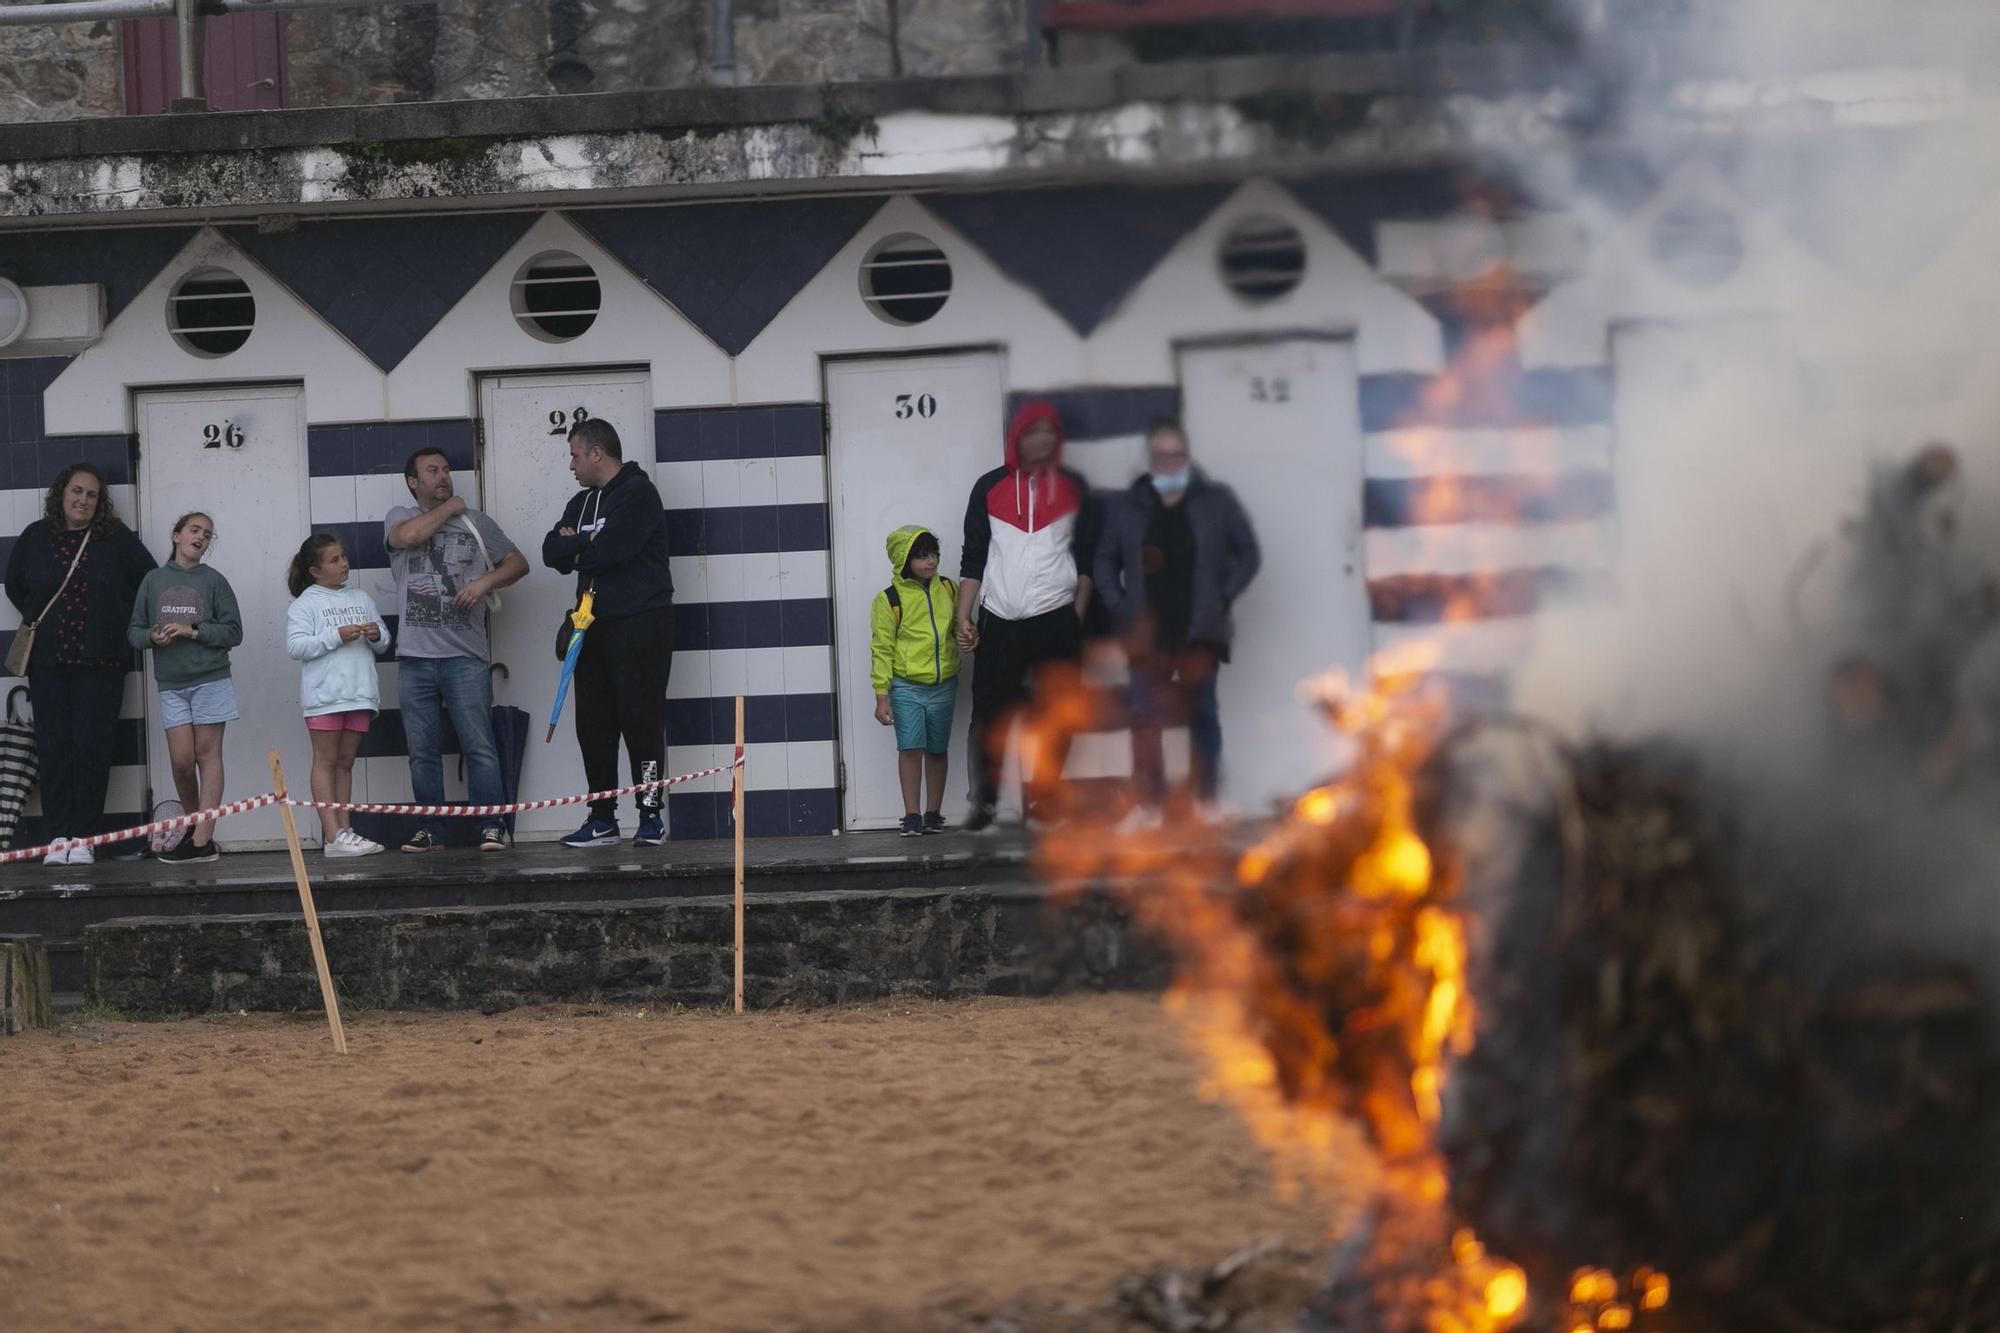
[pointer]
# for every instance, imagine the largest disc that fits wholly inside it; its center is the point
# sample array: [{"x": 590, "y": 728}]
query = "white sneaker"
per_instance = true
[
  {"x": 82, "y": 856},
  {"x": 58, "y": 854},
  {"x": 1140, "y": 819},
  {"x": 1215, "y": 812},
  {"x": 349, "y": 843}
]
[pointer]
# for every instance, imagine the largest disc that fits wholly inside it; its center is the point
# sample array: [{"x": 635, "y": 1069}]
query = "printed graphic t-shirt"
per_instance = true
[{"x": 428, "y": 578}]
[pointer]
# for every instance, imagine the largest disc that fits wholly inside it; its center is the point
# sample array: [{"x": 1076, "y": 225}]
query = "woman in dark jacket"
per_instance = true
[{"x": 76, "y": 675}]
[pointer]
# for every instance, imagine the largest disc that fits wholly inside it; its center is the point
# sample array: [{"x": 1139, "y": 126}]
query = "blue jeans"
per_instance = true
[
  {"x": 1171, "y": 687},
  {"x": 428, "y": 688}
]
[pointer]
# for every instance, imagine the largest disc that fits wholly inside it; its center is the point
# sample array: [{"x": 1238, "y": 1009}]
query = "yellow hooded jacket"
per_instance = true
[{"x": 912, "y": 638}]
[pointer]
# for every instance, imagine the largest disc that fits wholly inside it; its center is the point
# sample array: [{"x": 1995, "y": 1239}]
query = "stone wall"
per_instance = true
[
  {"x": 493, "y": 48},
  {"x": 804, "y": 949},
  {"x": 61, "y": 73},
  {"x": 837, "y": 41},
  {"x": 528, "y": 48}
]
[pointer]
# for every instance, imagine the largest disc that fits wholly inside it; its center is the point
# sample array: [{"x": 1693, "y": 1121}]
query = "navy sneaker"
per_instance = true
[
  {"x": 934, "y": 822},
  {"x": 594, "y": 833},
  {"x": 913, "y": 826},
  {"x": 652, "y": 831}
]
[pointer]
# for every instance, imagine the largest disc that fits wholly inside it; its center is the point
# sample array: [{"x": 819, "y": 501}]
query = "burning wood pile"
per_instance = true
[{"x": 1631, "y": 1057}]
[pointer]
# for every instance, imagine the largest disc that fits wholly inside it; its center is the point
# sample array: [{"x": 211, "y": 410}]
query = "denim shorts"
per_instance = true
[
  {"x": 198, "y": 705},
  {"x": 922, "y": 714}
]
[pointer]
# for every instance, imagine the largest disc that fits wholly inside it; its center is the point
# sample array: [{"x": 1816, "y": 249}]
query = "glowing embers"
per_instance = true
[{"x": 1600, "y": 1303}]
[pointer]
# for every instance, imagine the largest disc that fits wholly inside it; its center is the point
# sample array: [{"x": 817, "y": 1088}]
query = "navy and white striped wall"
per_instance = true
[
  {"x": 746, "y": 494},
  {"x": 1480, "y": 503}
]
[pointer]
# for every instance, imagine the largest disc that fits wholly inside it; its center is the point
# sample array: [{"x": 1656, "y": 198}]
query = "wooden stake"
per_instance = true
[
  {"x": 737, "y": 778},
  {"x": 306, "y": 902}
]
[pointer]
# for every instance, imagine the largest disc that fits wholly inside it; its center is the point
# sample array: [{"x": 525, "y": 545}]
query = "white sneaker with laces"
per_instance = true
[
  {"x": 1140, "y": 819},
  {"x": 82, "y": 856},
  {"x": 58, "y": 853}
]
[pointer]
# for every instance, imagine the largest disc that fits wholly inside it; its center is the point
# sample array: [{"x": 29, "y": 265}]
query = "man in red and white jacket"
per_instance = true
[{"x": 1030, "y": 535}]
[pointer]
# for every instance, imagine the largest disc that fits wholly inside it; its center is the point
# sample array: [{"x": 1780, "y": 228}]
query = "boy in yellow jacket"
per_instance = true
[{"x": 913, "y": 660}]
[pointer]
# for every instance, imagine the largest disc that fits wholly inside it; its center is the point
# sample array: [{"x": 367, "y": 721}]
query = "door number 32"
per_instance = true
[{"x": 227, "y": 434}]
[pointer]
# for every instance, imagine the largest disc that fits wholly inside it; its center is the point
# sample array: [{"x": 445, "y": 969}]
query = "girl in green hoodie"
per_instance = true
[
  {"x": 913, "y": 660},
  {"x": 186, "y": 614}
]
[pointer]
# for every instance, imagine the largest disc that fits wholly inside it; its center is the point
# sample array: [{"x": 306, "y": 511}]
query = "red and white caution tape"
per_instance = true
[
  {"x": 272, "y": 798},
  {"x": 490, "y": 811},
  {"x": 144, "y": 830}
]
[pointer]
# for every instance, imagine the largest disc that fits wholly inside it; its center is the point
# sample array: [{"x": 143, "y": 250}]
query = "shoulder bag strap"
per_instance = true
[
  {"x": 67, "y": 575},
  {"x": 478, "y": 540},
  {"x": 492, "y": 598}
]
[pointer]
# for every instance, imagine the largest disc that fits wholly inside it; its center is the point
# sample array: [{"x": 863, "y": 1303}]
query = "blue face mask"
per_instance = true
[{"x": 1170, "y": 483}]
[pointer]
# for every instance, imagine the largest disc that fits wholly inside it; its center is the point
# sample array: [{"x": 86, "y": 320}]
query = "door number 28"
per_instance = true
[
  {"x": 562, "y": 423},
  {"x": 920, "y": 405},
  {"x": 216, "y": 437}
]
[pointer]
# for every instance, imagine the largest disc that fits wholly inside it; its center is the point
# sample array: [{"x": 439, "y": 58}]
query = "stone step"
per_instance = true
[
  {"x": 59, "y": 905},
  {"x": 824, "y": 947}
]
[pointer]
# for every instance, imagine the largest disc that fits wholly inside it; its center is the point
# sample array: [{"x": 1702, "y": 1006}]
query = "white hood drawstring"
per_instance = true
[{"x": 1045, "y": 478}]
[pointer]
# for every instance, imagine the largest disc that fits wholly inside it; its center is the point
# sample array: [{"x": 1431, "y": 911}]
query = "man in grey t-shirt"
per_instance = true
[{"x": 446, "y": 559}]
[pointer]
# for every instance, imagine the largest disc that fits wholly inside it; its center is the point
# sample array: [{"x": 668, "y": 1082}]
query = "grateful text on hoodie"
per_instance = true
[
  {"x": 1027, "y": 534},
  {"x": 334, "y": 677},
  {"x": 917, "y": 644},
  {"x": 199, "y": 597}
]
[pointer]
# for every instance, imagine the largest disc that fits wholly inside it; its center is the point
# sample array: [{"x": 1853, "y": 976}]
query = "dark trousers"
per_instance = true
[
  {"x": 1166, "y": 688},
  {"x": 620, "y": 690},
  {"x": 76, "y": 727},
  {"x": 1015, "y": 660}
]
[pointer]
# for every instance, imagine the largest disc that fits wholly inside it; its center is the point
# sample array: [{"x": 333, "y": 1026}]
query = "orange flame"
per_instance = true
[{"x": 1327, "y": 984}]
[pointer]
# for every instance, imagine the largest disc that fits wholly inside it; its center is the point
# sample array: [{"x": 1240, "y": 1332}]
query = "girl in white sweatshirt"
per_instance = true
[{"x": 335, "y": 633}]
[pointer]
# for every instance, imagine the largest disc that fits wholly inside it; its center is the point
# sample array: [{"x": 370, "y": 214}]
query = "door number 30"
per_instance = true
[
  {"x": 919, "y": 405},
  {"x": 227, "y": 434},
  {"x": 562, "y": 423}
]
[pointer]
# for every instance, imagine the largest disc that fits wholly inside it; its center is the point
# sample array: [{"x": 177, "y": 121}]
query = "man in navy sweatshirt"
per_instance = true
[
  {"x": 613, "y": 536},
  {"x": 1030, "y": 535}
]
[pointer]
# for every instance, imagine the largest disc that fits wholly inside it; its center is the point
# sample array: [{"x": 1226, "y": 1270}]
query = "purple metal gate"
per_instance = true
[{"x": 244, "y": 63}]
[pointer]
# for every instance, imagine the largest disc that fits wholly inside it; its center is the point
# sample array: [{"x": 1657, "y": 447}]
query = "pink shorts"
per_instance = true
[{"x": 355, "y": 719}]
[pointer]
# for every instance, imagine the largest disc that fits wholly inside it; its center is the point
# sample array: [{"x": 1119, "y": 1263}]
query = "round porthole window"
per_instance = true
[
  {"x": 13, "y": 312},
  {"x": 211, "y": 312},
  {"x": 1698, "y": 247},
  {"x": 906, "y": 279},
  {"x": 1263, "y": 258},
  {"x": 556, "y": 297}
]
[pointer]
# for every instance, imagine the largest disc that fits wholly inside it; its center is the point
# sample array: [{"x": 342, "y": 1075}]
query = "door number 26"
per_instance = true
[{"x": 227, "y": 434}]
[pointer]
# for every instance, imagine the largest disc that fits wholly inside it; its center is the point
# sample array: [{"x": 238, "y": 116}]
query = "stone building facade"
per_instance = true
[
  {"x": 60, "y": 73},
  {"x": 504, "y": 48}
]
